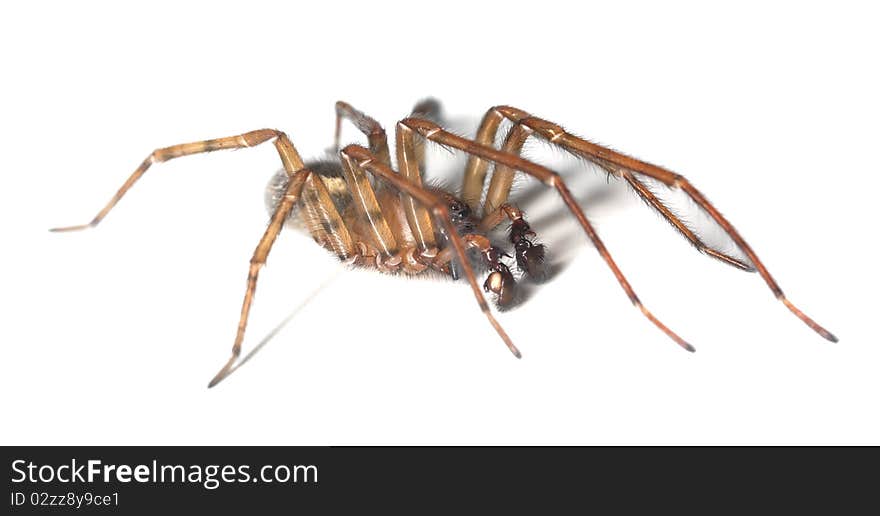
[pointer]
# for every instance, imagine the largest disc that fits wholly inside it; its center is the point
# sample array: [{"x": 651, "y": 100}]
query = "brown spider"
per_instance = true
[{"x": 358, "y": 207}]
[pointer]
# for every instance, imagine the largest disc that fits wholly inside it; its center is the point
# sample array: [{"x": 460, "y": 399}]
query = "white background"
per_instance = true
[{"x": 110, "y": 336}]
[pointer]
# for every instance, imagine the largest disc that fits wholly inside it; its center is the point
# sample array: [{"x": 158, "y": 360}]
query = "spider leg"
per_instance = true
[
  {"x": 368, "y": 209},
  {"x": 293, "y": 165},
  {"x": 409, "y": 161},
  {"x": 471, "y": 241},
  {"x": 323, "y": 221},
  {"x": 358, "y": 157},
  {"x": 365, "y": 124},
  {"x": 291, "y": 196},
  {"x": 610, "y": 159},
  {"x": 502, "y": 179},
  {"x": 502, "y": 176},
  {"x": 324, "y": 224},
  {"x": 286, "y": 151},
  {"x": 477, "y": 167},
  {"x": 432, "y": 132},
  {"x": 652, "y": 200}
]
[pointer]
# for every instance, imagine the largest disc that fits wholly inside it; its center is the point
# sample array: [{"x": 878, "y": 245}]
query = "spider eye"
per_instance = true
[{"x": 459, "y": 209}]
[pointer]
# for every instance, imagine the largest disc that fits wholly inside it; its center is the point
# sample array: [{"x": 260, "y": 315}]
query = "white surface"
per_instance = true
[{"x": 110, "y": 336}]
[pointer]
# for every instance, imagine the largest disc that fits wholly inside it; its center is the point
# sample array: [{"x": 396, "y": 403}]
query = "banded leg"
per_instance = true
[
  {"x": 291, "y": 196},
  {"x": 476, "y": 168},
  {"x": 648, "y": 196},
  {"x": 427, "y": 108},
  {"x": 432, "y": 132},
  {"x": 368, "y": 209},
  {"x": 323, "y": 220},
  {"x": 626, "y": 165},
  {"x": 289, "y": 158},
  {"x": 365, "y": 198},
  {"x": 409, "y": 162},
  {"x": 610, "y": 159},
  {"x": 360, "y": 158},
  {"x": 365, "y": 124},
  {"x": 502, "y": 179}
]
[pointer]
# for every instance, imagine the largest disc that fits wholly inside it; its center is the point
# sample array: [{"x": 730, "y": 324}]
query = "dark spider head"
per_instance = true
[
  {"x": 459, "y": 210},
  {"x": 461, "y": 216}
]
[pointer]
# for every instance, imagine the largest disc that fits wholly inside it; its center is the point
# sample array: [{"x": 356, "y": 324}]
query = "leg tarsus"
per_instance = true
[
  {"x": 365, "y": 124},
  {"x": 827, "y": 335},
  {"x": 698, "y": 197},
  {"x": 73, "y": 228},
  {"x": 223, "y": 372},
  {"x": 288, "y": 154}
]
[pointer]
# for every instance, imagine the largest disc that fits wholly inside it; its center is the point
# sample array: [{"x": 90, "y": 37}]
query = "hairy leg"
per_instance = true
[
  {"x": 286, "y": 151},
  {"x": 291, "y": 196},
  {"x": 433, "y": 132},
  {"x": 613, "y": 160}
]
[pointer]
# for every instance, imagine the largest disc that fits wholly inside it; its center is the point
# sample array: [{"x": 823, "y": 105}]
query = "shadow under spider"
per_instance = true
[{"x": 555, "y": 226}]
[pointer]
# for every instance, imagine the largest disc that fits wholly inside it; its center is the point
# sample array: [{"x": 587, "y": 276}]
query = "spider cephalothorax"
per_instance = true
[{"x": 357, "y": 206}]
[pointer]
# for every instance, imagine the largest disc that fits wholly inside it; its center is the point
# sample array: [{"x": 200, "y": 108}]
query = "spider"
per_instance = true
[{"x": 357, "y": 206}]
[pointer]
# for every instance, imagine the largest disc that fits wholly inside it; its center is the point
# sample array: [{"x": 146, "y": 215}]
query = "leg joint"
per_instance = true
[
  {"x": 511, "y": 113},
  {"x": 440, "y": 210},
  {"x": 548, "y": 130},
  {"x": 424, "y": 127}
]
